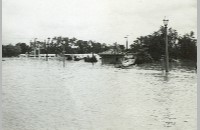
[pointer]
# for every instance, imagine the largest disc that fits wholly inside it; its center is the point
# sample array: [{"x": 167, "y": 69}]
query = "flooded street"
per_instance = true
[{"x": 42, "y": 95}]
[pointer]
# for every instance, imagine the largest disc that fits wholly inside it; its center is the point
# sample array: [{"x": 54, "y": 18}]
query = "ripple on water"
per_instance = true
[{"x": 39, "y": 94}]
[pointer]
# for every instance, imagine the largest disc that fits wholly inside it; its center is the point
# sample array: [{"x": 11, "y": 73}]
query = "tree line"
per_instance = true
[
  {"x": 71, "y": 46},
  {"x": 14, "y": 50},
  {"x": 152, "y": 47},
  {"x": 147, "y": 48},
  {"x": 56, "y": 45}
]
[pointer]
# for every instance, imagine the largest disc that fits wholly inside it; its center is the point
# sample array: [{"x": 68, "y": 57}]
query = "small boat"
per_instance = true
[
  {"x": 90, "y": 59},
  {"x": 76, "y": 58},
  {"x": 69, "y": 57},
  {"x": 128, "y": 62}
]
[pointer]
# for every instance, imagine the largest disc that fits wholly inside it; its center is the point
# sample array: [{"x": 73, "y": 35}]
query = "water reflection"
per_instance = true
[
  {"x": 168, "y": 118},
  {"x": 166, "y": 76},
  {"x": 164, "y": 98}
]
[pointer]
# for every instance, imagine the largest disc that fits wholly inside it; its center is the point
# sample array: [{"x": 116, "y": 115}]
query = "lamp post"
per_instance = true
[
  {"x": 63, "y": 53},
  {"x": 165, "y": 21},
  {"x": 92, "y": 48},
  {"x": 34, "y": 46},
  {"x": 38, "y": 48},
  {"x": 30, "y": 48},
  {"x": 47, "y": 46},
  {"x": 126, "y": 42}
]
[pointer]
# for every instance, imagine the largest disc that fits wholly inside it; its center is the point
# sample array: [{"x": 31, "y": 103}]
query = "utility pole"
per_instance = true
[
  {"x": 63, "y": 52},
  {"x": 126, "y": 42},
  {"x": 39, "y": 45},
  {"x": 34, "y": 46},
  {"x": 63, "y": 55},
  {"x": 30, "y": 48}
]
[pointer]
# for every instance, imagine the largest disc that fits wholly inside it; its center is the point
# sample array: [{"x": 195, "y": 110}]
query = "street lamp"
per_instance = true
[
  {"x": 47, "y": 46},
  {"x": 38, "y": 48},
  {"x": 34, "y": 46},
  {"x": 92, "y": 47},
  {"x": 63, "y": 43},
  {"x": 30, "y": 48},
  {"x": 165, "y": 21}
]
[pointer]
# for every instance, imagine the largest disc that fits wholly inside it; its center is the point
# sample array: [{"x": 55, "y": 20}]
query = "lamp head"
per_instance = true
[{"x": 165, "y": 21}]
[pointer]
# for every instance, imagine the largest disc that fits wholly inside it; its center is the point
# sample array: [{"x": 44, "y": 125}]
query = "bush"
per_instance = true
[
  {"x": 10, "y": 50},
  {"x": 143, "y": 57}
]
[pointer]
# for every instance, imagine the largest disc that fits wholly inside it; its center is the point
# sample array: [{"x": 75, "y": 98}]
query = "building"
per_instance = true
[{"x": 112, "y": 57}]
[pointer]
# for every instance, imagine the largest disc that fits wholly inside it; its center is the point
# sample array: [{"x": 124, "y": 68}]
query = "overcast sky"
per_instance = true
[{"x": 105, "y": 21}]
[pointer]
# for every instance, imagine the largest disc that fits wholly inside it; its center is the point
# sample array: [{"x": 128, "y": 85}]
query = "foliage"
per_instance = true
[
  {"x": 10, "y": 50},
  {"x": 24, "y": 48},
  {"x": 74, "y": 45},
  {"x": 143, "y": 56},
  {"x": 58, "y": 45},
  {"x": 148, "y": 48},
  {"x": 182, "y": 47},
  {"x": 187, "y": 47}
]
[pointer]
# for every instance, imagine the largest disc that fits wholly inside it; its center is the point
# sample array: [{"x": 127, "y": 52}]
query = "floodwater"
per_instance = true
[{"x": 44, "y": 95}]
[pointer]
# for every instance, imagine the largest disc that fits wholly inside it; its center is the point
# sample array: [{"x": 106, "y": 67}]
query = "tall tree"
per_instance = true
[
  {"x": 24, "y": 47},
  {"x": 10, "y": 50},
  {"x": 187, "y": 46},
  {"x": 154, "y": 44}
]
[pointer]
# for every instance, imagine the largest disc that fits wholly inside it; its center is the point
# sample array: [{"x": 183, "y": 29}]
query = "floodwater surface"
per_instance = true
[{"x": 44, "y": 95}]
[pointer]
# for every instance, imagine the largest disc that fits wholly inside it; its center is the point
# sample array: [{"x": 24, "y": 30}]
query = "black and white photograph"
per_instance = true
[{"x": 99, "y": 64}]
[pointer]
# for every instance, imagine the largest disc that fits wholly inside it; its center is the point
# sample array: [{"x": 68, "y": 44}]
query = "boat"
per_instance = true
[
  {"x": 76, "y": 58},
  {"x": 90, "y": 59},
  {"x": 128, "y": 62}
]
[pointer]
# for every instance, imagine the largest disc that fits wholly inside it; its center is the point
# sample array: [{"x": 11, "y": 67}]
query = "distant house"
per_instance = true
[{"x": 112, "y": 57}]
